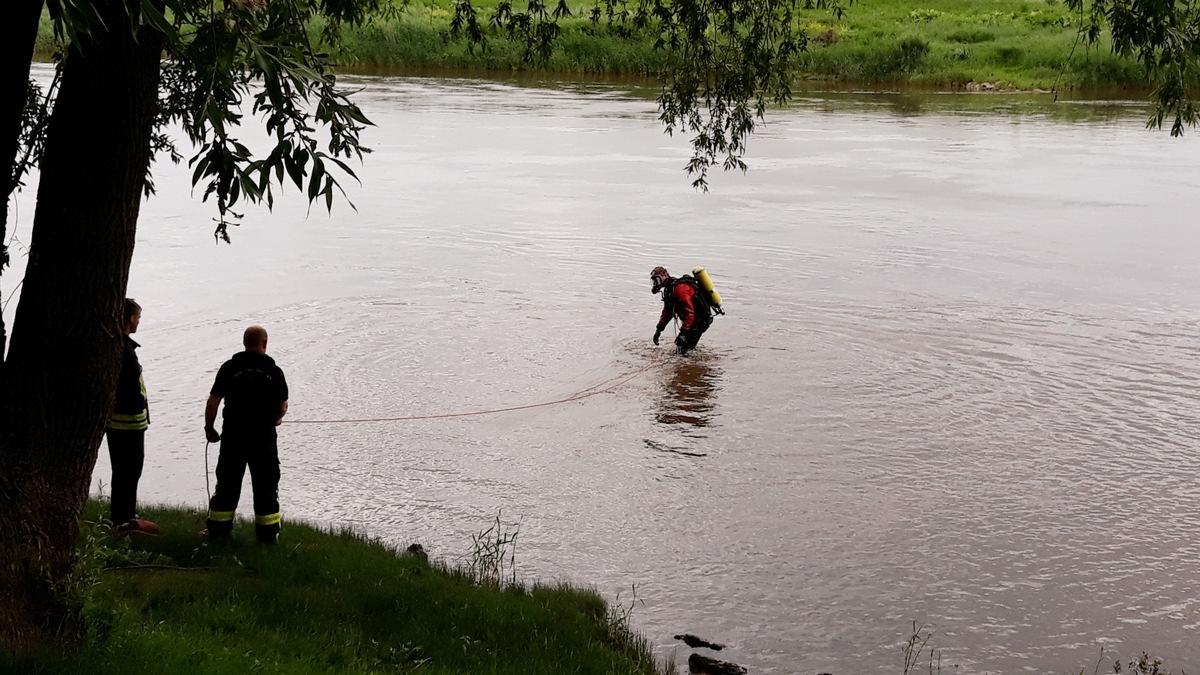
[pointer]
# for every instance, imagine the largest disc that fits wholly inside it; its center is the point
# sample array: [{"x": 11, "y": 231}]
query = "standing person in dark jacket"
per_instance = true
[
  {"x": 256, "y": 399},
  {"x": 682, "y": 298},
  {"x": 126, "y": 431}
]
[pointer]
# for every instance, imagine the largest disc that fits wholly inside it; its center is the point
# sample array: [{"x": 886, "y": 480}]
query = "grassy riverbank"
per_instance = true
[
  {"x": 321, "y": 602},
  {"x": 1024, "y": 44},
  {"x": 942, "y": 44}
]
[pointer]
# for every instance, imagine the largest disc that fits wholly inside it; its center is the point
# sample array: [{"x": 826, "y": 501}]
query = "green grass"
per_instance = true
[
  {"x": 322, "y": 602},
  {"x": 420, "y": 37},
  {"x": 1021, "y": 44},
  {"x": 941, "y": 44}
]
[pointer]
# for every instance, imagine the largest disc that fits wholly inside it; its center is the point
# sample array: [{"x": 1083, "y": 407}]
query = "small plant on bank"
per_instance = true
[
  {"x": 493, "y": 554},
  {"x": 908, "y": 54},
  {"x": 622, "y": 636},
  {"x": 619, "y": 614},
  {"x": 924, "y": 15}
]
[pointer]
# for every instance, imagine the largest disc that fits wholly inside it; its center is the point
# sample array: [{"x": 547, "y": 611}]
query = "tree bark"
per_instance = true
[{"x": 64, "y": 354}]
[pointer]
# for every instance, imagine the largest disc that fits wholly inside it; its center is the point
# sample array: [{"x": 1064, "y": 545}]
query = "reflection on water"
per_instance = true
[
  {"x": 690, "y": 383},
  {"x": 1081, "y": 105},
  {"x": 1004, "y": 107}
]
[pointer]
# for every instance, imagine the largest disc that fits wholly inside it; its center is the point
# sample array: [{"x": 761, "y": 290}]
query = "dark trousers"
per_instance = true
[
  {"x": 127, "y": 452},
  {"x": 691, "y": 338},
  {"x": 260, "y": 453}
]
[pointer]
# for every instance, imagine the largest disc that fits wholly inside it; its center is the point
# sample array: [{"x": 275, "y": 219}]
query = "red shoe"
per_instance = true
[{"x": 136, "y": 526}]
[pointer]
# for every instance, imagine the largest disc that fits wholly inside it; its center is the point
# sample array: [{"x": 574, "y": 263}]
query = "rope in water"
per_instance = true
[{"x": 603, "y": 387}]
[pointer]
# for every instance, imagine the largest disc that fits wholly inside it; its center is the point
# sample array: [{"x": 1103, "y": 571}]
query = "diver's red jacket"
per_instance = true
[{"x": 680, "y": 302}]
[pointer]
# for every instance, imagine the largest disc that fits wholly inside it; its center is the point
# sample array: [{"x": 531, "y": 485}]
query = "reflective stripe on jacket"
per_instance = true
[{"x": 130, "y": 410}]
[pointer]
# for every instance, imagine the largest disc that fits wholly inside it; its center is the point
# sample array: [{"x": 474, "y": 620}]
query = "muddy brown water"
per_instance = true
[{"x": 956, "y": 384}]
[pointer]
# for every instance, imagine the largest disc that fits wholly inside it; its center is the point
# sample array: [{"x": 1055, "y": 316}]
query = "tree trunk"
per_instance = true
[
  {"x": 65, "y": 350},
  {"x": 18, "y": 32}
]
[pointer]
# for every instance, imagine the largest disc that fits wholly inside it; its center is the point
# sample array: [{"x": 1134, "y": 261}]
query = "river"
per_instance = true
[{"x": 956, "y": 383}]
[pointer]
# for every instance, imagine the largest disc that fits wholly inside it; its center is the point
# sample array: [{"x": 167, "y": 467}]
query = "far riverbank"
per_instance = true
[
  {"x": 988, "y": 45},
  {"x": 943, "y": 44}
]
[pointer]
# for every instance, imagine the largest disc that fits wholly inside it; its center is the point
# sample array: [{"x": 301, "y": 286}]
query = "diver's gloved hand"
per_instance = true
[
  {"x": 657, "y": 333},
  {"x": 681, "y": 339}
]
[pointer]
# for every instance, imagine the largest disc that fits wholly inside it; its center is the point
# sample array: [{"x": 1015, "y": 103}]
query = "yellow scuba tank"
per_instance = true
[{"x": 714, "y": 298}]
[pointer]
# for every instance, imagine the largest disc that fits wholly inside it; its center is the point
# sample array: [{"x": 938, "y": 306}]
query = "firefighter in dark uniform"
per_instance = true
[
  {"x": 256, "y": 399},
  {"x": 126, "y": 432},
  {"x": 683, "y": 298}
]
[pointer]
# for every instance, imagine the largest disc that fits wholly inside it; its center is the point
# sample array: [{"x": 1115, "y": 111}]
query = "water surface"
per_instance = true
[{"x": 956, "y": 383}]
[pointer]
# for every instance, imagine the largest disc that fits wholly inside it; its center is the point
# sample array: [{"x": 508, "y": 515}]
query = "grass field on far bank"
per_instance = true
[
  {"x": 322, "y": 602},
  {"x": 1022, "y": 44},
  {"x": 941, "y": 44}
]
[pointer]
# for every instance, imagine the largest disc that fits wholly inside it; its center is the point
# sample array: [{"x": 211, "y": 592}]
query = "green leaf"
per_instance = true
[
  {"x": 295, "y": 171},
  {"x": 314, "y": 181},
  {"x": 159, "y": 21}
]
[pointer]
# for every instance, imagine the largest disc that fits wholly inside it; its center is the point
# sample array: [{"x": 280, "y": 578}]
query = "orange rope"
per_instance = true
[{"x": 578, "y": 396}]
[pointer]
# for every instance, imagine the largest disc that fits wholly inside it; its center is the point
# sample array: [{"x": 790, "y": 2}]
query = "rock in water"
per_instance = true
[
  {"x": 703, "y": 665},
  {"x": 693, "y": 642}
]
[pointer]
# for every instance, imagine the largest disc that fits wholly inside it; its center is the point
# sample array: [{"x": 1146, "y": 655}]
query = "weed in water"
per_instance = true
[
  {"x": 918, "y": 648},
  {"x": 493, "y": 554},
  {"x": 1143, "y": 665}
]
